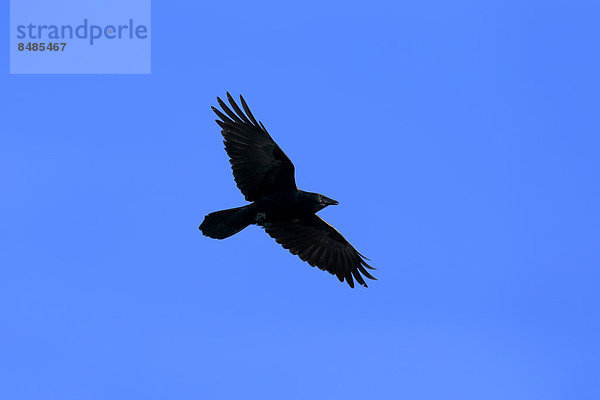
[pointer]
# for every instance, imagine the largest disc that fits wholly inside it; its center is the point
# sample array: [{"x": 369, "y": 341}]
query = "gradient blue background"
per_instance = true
[{"x": 461, "y": 139}]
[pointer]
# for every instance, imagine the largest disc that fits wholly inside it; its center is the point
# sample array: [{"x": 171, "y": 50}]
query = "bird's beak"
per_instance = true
[{"x": 330, "y": 202}]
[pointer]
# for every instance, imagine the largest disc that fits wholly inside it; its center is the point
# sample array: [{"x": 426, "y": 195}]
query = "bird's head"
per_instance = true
[{"x": 320, "y": 202}]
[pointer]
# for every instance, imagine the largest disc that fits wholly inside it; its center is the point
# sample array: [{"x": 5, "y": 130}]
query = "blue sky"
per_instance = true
[{"x": 461, "y": 139}]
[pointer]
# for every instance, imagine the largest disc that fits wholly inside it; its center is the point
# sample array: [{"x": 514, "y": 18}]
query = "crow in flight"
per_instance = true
[{"x": 265, "y": 175}]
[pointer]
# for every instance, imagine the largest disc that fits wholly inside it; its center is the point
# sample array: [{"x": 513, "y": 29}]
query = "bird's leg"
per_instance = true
[{"x": 260, "y": 218}]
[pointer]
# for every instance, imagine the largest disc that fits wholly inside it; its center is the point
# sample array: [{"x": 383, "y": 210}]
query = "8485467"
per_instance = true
[{"x": 34, "y": 46}]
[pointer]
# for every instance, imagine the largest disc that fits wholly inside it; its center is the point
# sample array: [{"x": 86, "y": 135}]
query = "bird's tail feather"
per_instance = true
[{"x": 222, "y": 224}]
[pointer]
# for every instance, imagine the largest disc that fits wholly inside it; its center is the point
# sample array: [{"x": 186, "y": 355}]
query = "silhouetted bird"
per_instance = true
[{"x": 265, "y": 175}]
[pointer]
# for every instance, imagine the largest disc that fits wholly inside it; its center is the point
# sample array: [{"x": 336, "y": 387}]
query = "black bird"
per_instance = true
[{"x": 265, "y": 175}]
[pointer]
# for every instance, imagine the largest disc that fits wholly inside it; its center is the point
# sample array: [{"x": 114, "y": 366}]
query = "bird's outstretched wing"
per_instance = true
[
  {"x": 260, "y": 167},
  {"x": 319, "y": 244}
]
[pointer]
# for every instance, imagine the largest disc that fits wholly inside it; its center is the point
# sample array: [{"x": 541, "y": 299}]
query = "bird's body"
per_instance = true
[
  {"x": 288, "y": 205},
  {"x": 265, "y": 175}
]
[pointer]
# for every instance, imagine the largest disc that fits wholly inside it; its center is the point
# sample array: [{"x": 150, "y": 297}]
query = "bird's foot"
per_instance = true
[{"x": 260, "y": 217}]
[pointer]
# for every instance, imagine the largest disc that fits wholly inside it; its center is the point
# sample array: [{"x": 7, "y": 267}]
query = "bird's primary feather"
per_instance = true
[
  {"x": 310, "y": 237},
  {"x": 260, "y": 167}
]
